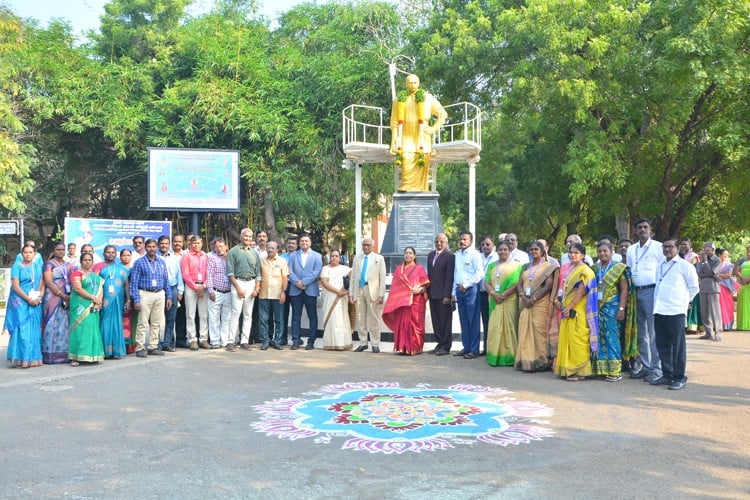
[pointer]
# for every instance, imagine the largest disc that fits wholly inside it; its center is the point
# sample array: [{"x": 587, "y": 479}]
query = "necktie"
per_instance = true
[{"x": 363, "y": 274}]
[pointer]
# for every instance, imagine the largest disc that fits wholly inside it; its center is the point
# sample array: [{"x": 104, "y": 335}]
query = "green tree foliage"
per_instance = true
[
  {"x": 605, "y": 108},
  {"x": 15, "y": 172},
  {"x": 138, "y": 30},
  {"x": 593, "y": 111},
  {"x": 334, "y": 55}
]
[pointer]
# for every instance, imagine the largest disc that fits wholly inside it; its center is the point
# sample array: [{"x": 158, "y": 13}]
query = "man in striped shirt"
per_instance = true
[{"x": 219, "y": 296}]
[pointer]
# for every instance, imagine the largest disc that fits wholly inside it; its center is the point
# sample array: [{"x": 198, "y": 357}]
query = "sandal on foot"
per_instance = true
[
  {"x": 572, "y": 378},
  {"x": 74, "y": 363}
]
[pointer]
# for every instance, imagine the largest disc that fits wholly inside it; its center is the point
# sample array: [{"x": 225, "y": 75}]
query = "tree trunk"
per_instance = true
[
  {"x": 622, "y": 225},
  {"x": 269, "y": 215}
]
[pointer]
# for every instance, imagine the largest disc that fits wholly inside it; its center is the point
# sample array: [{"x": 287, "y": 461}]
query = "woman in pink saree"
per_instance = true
[{"x": 404, "y": 310}]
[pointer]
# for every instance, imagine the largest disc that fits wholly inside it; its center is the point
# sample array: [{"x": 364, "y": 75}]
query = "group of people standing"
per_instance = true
[
  {"x": 579, "y": 318},
  {"x": 64, "y": 310},
  {"x": 631, "y": 309}
]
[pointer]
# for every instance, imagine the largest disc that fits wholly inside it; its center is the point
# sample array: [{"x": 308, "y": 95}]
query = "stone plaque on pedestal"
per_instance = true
[{"x": 415, "y": 220}]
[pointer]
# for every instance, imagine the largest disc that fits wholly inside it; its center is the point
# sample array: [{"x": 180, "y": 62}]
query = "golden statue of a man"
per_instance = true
[{"x": 411, "y": 134}]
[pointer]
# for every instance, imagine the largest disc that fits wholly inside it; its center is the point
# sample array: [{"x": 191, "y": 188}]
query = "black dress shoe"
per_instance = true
[
  {"x": 155, "y": 352},
  {"x": 639, "y": 374},
  {"x": 141, "y": 353},
  {"x": 375, "y": 349},
  {"x": 276, "y": 346},
  {"x": 441, "y": 352},
  {"x": 460, "y": 353},
  {"x": 470, "y": 355},
  {"x": 309, "y": 347},
  {"x": 295, "y": 346},
  {"x": 264, "y": 346},
  {"x": 360, "y": 348}
]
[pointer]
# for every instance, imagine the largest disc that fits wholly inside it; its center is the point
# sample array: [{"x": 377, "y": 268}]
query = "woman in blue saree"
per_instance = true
[
  {"x": 23, "y": 316},
  {"x": 116, "y": 296},
  {"x": 616, "y": 305}
]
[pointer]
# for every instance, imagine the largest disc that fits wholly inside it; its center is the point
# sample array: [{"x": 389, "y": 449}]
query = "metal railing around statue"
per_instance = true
[{"x": 367, "y": 134}]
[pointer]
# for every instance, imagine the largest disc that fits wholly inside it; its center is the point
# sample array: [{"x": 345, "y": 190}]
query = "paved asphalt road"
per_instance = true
[{"x": 179, "y": 426}]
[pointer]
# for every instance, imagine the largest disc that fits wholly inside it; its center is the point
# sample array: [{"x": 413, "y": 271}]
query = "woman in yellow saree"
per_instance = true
[{"x": 579, "y": 328}]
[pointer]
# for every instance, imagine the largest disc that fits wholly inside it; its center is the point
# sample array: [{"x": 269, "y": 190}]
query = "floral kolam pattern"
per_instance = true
[{"x": 382, "y": 417}]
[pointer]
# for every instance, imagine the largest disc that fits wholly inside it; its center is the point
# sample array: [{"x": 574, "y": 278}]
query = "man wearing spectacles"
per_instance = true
[
  {"x": 516, "y": 254},
  {"x": 367, "y": 293}
]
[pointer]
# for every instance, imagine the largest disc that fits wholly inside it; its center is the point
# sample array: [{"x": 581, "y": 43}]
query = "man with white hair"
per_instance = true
[
  {"x": 243, "y": 269},
  {"x": 367, "y": 293},
  {"x": 709, "y": 268},
  {"x": 569, "y": 241}
]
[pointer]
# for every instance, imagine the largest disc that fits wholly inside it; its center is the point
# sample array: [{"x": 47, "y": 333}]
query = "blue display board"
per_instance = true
[
  {"x": 120, "y": 233},
  {"x": 195, "y": 180}
]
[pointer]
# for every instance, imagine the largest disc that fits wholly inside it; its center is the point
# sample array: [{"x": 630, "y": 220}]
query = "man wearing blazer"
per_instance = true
[
  {"x": 440, "y": 265},
  {"x": 305, "y": 265},
  {"x": 366, "y": 292}
]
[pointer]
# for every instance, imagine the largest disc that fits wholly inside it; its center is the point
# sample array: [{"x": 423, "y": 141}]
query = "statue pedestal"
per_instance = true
[{"x": 415, "y": 220}]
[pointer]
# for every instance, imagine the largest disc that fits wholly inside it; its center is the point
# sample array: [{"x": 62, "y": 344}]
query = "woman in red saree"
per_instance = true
[{"x": 405, "y": 308}]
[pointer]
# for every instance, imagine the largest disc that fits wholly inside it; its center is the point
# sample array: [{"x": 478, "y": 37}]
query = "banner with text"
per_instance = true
[{"x": 102, "y": 232}]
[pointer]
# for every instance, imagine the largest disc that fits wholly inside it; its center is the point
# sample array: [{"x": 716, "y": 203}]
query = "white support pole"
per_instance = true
[
  {"x": 473, "y": 198},
  {"x": 358, "y": 206}
]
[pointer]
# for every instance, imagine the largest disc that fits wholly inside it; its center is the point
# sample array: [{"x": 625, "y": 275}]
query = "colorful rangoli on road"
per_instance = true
[{"x": 381, "y": 417}]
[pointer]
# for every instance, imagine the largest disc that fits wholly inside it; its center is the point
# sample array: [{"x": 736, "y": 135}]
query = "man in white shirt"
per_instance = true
[
  {"x": 676, "y": 285},
  {"x": 569, "y": 241},
  {"x": 466, "y": 277},
  {"x": 643, "y": 259},
  {"x": 516, "y": 254},
  {"x": 139, "y": 249},
  {"x": 177, "y": 285},
  {"x": 72, "y": 255}
]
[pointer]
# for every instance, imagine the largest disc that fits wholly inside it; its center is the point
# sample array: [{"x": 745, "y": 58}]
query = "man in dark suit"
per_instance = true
[
  {"x": 304, "y": 268},
  {"x": 440, "y": 264}
]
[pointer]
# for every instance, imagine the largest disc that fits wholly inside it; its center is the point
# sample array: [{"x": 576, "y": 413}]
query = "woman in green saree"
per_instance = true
[
  {"x": 502, "y": 330},
  {"x": 85, "y": 342}
]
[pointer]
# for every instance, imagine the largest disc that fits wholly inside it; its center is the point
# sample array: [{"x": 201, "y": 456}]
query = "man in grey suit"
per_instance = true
[
  {"x": 304, "y": 268},
  {"x": 366, "y": 292},
  {"x": 708, "y": 270}
]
